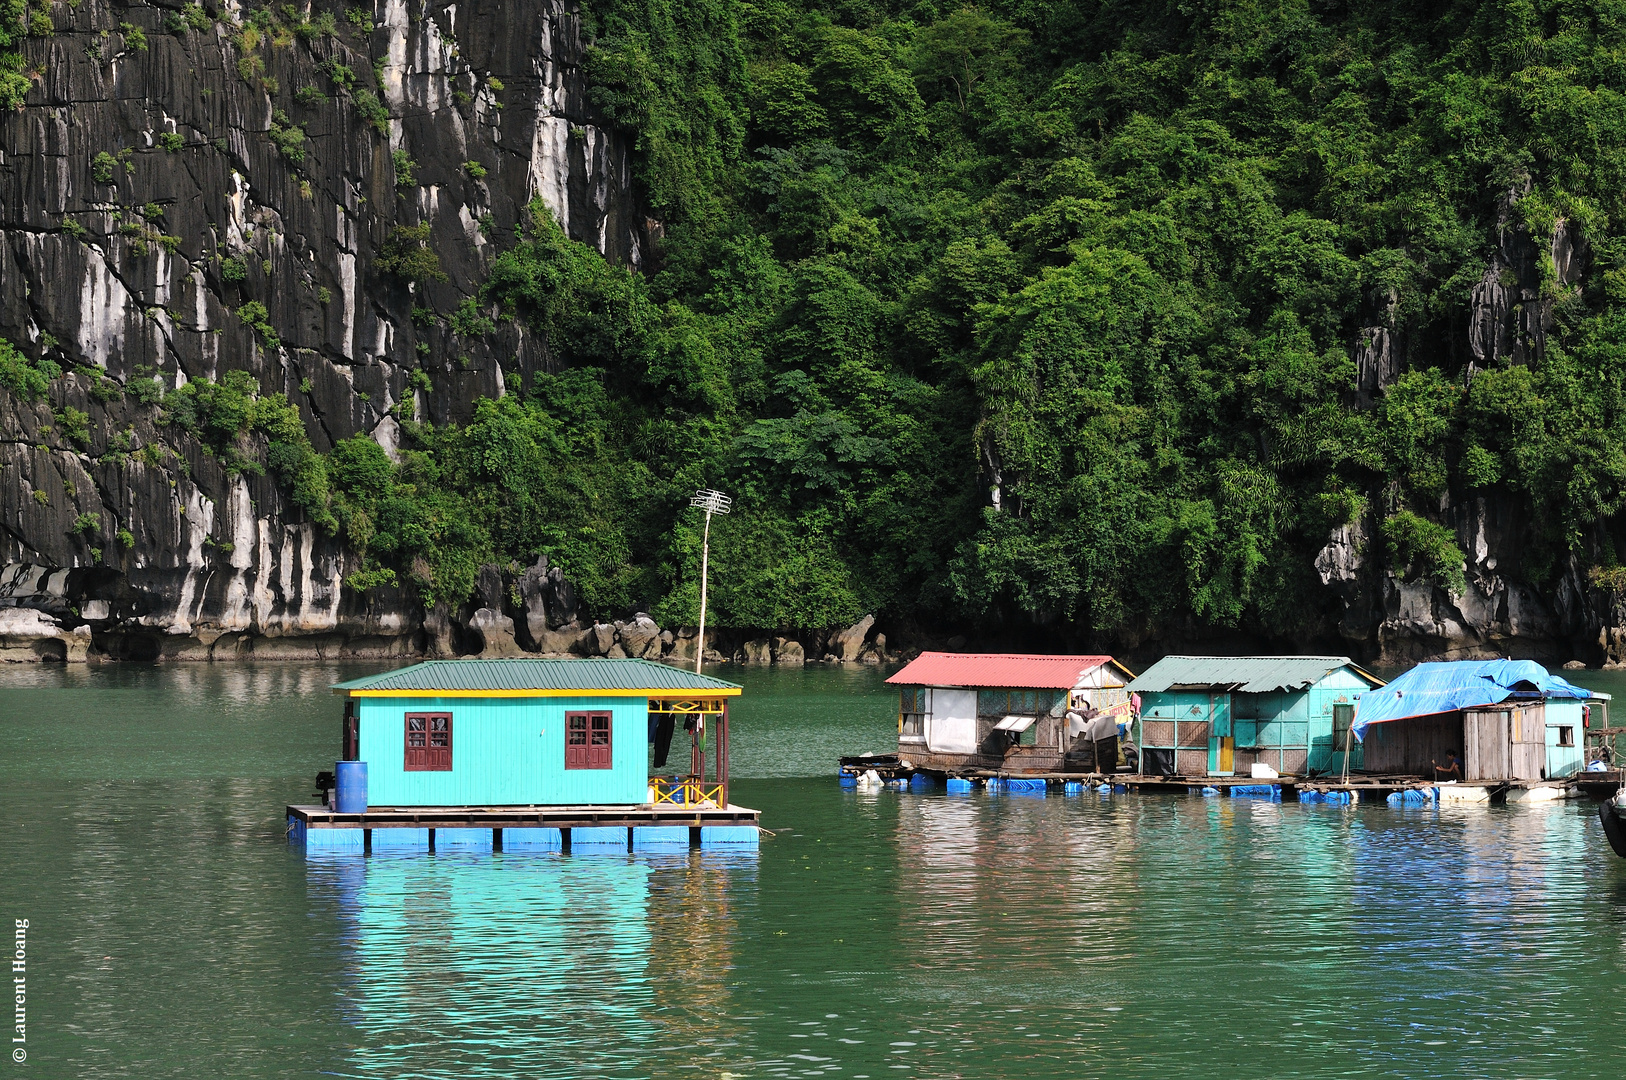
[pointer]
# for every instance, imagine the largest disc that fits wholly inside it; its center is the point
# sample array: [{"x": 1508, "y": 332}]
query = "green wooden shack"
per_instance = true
[{"x": 1219, "y": 715}]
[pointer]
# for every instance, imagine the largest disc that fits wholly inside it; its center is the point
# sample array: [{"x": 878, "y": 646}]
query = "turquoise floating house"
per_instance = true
[
  {"x": 553, "y": 747},
  {"x": 1221, "y": 715}
]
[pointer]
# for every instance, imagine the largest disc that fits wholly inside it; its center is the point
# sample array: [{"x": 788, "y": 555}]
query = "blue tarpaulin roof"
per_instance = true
[{"x": 1461, "y": 684}]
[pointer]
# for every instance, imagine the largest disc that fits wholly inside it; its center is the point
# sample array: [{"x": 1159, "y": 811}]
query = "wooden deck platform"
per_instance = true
[
  {"x": 503, "y": 828},
  {"x": 525, "y": 817},
  {"x": 1362, "y": 788}
]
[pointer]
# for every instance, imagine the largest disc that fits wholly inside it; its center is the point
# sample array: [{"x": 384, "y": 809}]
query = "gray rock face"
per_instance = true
[
  {"x": 1509, "y": 313},
  {"x": 756, "y": 651},
  {"x": 561, "y": 642},
  {"x": 683, "y": 644},
  {"x": 640, "y": 637},
  {"x": 496, "y": 632},
  {"x": 1394, "y": 620},
  {"x": 140, "y": 262},
  {"x": 549, "y": 601},
  {"x": 849, "y": 643},
  {"x": 790, "y": 652},
  {"x": 27, "y": 634}
]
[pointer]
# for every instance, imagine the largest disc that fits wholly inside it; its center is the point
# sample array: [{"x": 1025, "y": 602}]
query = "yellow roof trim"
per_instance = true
[
  {"x": 649, "y": 693},
  {"x": 1363, "y": 673}
]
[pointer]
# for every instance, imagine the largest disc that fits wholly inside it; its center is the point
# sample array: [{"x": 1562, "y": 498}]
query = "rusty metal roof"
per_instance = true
[
  {"x": 528, "y": 673},
  {"x": 1028, "y": 672},
  {"x": 1247, "y": 674}
]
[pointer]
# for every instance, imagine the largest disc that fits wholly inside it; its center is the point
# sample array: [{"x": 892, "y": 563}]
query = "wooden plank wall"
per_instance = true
[
  {"x": 1528, "y": 750},
  {"x": 1508, "y": 742},
  {"x": 1485, "y": 739},
  {"x": 1407, "y": 746}
]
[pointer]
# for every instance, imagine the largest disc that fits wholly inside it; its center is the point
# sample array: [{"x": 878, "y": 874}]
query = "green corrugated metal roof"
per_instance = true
[
  {"x": 1248, "y": 674},
  {"x": 526, "y": 673}
]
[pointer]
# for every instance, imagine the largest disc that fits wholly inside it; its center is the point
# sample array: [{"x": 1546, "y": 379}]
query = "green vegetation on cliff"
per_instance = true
[
  {"x": 1084, "y": 314},
  {"x": 1108, "y": 264}
]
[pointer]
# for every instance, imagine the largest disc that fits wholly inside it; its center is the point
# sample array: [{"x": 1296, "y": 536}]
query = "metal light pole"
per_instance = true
[{"x": 712, "y": 502}]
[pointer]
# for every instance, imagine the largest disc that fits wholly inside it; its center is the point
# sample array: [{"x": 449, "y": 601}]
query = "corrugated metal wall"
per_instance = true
[{"x": 1291, "y": 731}]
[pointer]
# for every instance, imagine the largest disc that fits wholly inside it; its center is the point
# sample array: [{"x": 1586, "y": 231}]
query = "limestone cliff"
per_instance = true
[
  {"x": 1390, "y": 618},
  {"x": 175, "y": 168},
  {"x": 193, "y": 191}
]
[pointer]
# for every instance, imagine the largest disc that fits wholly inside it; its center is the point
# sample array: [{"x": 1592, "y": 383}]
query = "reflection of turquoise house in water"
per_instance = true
[
  {"x": 451, "y": 962},
  {"x": 540, "y": 966},
  {"x": 1219, "y": 715}
]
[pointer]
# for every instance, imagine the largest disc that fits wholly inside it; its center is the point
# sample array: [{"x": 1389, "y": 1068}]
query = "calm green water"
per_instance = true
[{"x": 173, "y": 933}]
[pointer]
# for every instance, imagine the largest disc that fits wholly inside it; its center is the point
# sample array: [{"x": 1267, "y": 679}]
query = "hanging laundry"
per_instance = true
[{"x": 663, "y": 739}]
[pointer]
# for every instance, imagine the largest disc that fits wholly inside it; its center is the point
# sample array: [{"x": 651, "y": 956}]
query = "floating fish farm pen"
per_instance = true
[{"x": 528, "y": 753}]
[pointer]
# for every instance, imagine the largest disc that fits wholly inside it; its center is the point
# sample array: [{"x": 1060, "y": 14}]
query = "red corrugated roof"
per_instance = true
[{"x": 1000, "y": 669}]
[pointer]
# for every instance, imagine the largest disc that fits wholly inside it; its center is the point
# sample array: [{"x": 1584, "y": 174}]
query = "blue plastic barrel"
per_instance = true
[
  {"x": 350, "y": 787},
  {"x": 1073, "y": 787},
  {"x": 958, "y": 786}
]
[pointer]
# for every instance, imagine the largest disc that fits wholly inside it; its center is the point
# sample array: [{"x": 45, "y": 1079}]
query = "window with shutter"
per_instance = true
[
  {"x": 587, "y": 741},
  {"x": 428, "y": 742}
]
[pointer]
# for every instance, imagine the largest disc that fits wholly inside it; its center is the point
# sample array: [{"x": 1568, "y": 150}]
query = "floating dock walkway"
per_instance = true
[
  {"x": 508, "y": 828},
  {"x": 1358, "y": 788}
]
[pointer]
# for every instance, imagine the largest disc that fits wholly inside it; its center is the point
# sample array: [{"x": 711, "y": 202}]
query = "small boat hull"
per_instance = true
[{"x": 1614, "y": 827}]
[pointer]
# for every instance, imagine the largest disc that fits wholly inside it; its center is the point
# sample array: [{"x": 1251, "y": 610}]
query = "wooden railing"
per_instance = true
[{"x": 687, "y": 791}]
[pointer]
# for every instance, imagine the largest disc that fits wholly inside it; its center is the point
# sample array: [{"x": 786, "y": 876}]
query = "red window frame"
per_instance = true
[
  {"x": 589, "y": 740},
  {"x": 427, "y": 742}
]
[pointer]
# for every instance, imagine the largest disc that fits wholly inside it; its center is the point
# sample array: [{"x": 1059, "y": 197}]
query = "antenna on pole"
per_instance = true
[{"x": 712, "y": 502}]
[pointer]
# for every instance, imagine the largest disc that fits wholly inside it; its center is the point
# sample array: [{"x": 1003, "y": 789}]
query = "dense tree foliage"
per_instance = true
[{"x": 1047, "y": 313}]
